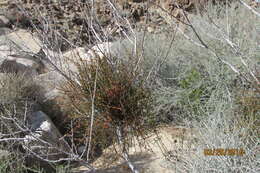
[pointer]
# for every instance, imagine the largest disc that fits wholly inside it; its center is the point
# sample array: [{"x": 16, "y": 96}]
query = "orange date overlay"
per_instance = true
[{"x": 224, "y": 152}]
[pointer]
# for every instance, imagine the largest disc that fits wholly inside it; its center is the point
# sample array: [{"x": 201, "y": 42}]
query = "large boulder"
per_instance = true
[
  {"x": 22, "y": 41},
  {"x": 53, "y": 100},
  {"x": 72, "y": 57},
  {"x": 66, "y": 62},
  {"x": 17, "y": 53},
  {"x": 59, "y": 61},
  {"x": 50, "y": 80}
]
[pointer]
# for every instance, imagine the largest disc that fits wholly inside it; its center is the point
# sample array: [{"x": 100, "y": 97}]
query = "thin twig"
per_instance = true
[
  {"x": 92, "y": 114},
  {"x": 250, "y": 8},
  {"x": 125, "y": 154}
]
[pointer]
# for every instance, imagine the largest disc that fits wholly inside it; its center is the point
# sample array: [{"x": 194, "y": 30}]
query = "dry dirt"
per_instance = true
[{"x": 172, "y": 143}]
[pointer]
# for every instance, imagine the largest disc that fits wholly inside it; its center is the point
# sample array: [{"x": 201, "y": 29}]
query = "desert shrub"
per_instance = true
[
  {"x": 248, "y": 100},
  {"x": 181, "y": 76},
  {"x": 110, "y": 94},
  {"x": 187, "y": 72},
  {"x": 11, "y": 163},
  {"x": 221, "y": 129},
  {"x": 15, "y": 162},
  {"x": 228, "y": 119},
  {"x": 16, "y": 88},
  {"x": 63, "y": 168},
  {"x": 18, "y": 96},
  {"x": 12, "y": 160}
]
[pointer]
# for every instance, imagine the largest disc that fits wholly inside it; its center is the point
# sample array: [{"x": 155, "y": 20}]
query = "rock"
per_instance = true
[
  {"x": 74, "y": 56},
  {"x": 66, "y": 62},
  {"x": 45, "y": 139},
  {"x": 14, "y": 59},
  {"x": 4, "y": 21},
  {"x": 5, "y": 51},
  {"x": 53, "y": 101},
  {"x": 12, "y": 66},
  {"x": 80, "y": 54},
  {"x": 50, "y": 80},
  {"x": 16, "y": 53},
  {"x": 22, "y": 41},
  {"x": 63, "y": 62},
  {"x": 101, "y": 50},
  {"x": 4, "y": 30},
  {"x": 21, "y": 64},
  {"x": 50, "y": 58},
  {"x": 176, "y": 142}
]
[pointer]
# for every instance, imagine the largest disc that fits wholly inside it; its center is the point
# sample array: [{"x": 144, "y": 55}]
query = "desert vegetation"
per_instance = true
[{"x": 115, "y": 76}]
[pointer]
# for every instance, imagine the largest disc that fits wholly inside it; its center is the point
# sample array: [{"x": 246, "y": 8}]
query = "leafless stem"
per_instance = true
[
  {"x": 125, "y": 154},
  {"x": 250, "y": 8},
  {"x": 92, "y": 114}
]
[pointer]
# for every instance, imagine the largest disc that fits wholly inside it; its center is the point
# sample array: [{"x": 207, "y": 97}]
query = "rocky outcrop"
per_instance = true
[
  {"x": 17, "y": 51},
  {"x": 22, "y": 41},
  {"x": 67, "y": 62}
]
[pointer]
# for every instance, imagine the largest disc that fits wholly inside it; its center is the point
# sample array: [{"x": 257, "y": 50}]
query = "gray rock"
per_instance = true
[
  {"x": 21, "y": 65},
  {"x": 79, "y": 54},
  {"x": 4, "y": 21},
  {"x": 45, "y": 139},
  {"x": 66, "y": 62},
  {"x": 5, "y": 51},
  {"x": 22, "y": 41},
  {"x": 17, "y": 51},
  {"x": 4, "y": 31},
  {"x": 50, "y": 80},
  {"x": 15, "y": 66},
  {"x": 54, "y": 61},
  {"x": 101, "y": 50}
]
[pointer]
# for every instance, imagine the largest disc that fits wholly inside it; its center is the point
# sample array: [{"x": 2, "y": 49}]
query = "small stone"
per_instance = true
[
  {"x": 4, "y": 21},
  {"x": 150, "y": 29}
]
